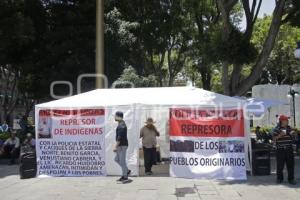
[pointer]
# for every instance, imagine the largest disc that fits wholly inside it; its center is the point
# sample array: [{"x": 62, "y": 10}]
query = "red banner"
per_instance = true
[
  {"x": 79, "y": 112},
  {"x": 206, "y": 123}
]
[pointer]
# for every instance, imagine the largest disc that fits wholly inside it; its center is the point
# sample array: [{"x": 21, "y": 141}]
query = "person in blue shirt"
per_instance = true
[
  {"x": 121, "y": 146},
  {"x": 283, "y": 136},
  {"x": 4, "y": 127}
]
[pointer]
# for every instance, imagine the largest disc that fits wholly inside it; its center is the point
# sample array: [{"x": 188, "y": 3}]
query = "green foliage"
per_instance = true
[
  {"x": 129, "y": 78},
  {"x": 162, "y": 34},
  {"x": 4, "y": 136},
  {"x": 48, "y": 40},
  {"x": 236, "y": 50},
  {"x": 120, "y": 42},
  {"x": 216, "y": 82},
  {"x": 264, "y": 129},
  {"x": 16, "y": 33},
  {"x": 293, "y": 13},
  {"x": 282, "y": 67}
]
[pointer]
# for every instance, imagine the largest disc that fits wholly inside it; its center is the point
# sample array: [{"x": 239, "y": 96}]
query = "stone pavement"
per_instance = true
[{"x": 152, "y": 187}]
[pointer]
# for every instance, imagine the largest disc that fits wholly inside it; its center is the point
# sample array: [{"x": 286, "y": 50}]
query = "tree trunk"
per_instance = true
[
  {"x": 257, "y": 69},
  {"x": 225, "y": 7},
  {"x": 206, "y": 82},
  {"x": 205, "y": 77},
  {"x": 3, "y": 115},
  {"x": 235, "y": 78},
  {"x": 171, "y": 81},
  {"x": 225, "y": 78},
  {"x": 29, "y": 106},
  {"x": 157, "y": 68}
]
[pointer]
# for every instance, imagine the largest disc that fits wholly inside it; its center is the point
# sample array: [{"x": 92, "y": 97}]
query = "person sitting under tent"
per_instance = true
[
  {"x": 11, "y": 147},
  {"x": 262, "y": 136},
  {"x": 148, "y": 134},
  {"x": 4, "y": 127},
  {"x": 258, "y": 133}
]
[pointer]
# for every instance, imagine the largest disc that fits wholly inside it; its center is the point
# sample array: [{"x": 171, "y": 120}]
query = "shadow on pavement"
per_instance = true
[
  {"x": 261, "y": 181},
  {"x": 270, "y": 179},
  {"x": 125, "y": 182},
  {"x": 181, "y": 192},
  {"x": 8, "y": 170}
]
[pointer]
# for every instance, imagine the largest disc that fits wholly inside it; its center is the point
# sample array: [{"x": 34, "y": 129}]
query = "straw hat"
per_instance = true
[{"x": 150, "y": 121}]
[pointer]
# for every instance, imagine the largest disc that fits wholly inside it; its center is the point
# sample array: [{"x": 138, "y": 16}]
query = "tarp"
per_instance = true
[
  {"x": 165, "y": 96},
  {"x": 258, "y": 106},
  {"x": 138, "y": 104}
]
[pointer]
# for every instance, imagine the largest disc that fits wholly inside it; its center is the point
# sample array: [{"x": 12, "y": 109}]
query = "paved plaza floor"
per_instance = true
[{"x": 158, "y": 186}]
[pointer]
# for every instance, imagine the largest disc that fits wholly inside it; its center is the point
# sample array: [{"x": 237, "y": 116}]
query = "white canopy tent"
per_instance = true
[{"x": 138, "y": 104}]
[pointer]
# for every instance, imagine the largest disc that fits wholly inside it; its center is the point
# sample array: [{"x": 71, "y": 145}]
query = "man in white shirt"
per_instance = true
[{"x": 11, "y": 147}]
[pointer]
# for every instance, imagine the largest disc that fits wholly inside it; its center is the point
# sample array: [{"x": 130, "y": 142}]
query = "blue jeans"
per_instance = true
[{"x": 121, "y": 159}]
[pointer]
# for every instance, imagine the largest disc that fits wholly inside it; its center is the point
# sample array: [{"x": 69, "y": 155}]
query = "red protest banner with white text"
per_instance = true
[
  {"x": 207, "y": 143},
  {"x": 71, "y": 142}
]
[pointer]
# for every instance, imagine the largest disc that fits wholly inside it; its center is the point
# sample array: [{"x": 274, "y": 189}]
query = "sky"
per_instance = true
[{"x": 267, "y": 8}]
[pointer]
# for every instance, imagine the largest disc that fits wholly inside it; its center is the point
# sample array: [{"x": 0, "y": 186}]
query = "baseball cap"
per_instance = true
[
  {"x": 283, "y": 118},
  {"x": 119, "y": 114}
]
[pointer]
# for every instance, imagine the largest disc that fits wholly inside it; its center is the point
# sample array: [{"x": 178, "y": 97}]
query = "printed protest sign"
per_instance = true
[
  {"x": 71, "y": 142},
  {"x": 207, "y": 143}
]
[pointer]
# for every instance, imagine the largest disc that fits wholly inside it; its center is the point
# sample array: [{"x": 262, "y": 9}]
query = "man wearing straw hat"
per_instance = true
[{"x": 148, "y": 134}]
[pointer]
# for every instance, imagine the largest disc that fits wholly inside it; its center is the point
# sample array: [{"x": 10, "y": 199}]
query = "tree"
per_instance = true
[
  {"x": 32, "y": 84},
  {"x": 16, "y": 35},
  {"x": 205, "y": 19},
  {"x": 70, "y": 39},
  {"x": 292, "y": 13},
  {"x": 129, "y": 78},
  {"x": 281, "y": 67},
  {"x": 162, "y": 35},
  {"x": 120, "y": 43},
  {"x": 238, "y": 49}
]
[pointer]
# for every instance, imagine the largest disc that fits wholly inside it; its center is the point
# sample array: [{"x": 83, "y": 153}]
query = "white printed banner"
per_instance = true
[
  {"x": 207, "y": 144},
  {"x": 71, "y": 142}
]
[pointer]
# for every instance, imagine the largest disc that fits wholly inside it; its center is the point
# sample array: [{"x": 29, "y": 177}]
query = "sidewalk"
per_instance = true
[{"x": 157, "y": 187}]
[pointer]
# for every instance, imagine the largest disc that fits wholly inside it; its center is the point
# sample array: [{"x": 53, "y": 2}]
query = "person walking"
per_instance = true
[
  {"x": 148, "y": 134},
  {"x": 283, "y": 137},
  {"x": 121, "y": 146}
]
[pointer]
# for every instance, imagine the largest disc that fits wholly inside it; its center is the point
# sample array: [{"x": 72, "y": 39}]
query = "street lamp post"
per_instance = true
[
  {"x": 99, "y": 42},
  {"x": 293, "y": 94}
]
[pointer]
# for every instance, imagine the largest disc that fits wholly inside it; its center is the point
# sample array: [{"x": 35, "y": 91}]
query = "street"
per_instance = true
[{"x": 159, "y": 186}]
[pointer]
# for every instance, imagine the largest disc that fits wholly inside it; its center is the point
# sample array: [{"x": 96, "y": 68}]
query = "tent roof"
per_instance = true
[{"x": 163, "y": 96}]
